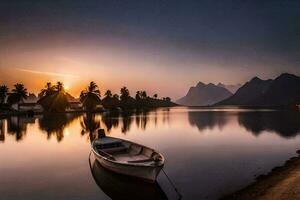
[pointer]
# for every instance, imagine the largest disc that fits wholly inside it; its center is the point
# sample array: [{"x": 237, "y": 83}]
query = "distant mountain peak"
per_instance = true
[
  {"x": 204, "y": 94},
  {"x": 287, "y": 75},
  {"x": 211, "y": 84},
  {"x": 282, "y": 91},
  {"x": 200, "y": 84},
  {"x": 232, "y": 88},
  {"x": 255, "y": 79}
]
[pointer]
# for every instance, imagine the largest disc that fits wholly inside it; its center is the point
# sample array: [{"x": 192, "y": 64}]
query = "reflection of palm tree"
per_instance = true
[
  {"x": 18, "y": 94},
  {"x": 127, "y": 121},
  {"x": 55, "y": 124},
  {"x": 141, "y": 119},
  {"x": 110, "y": 120},
  {"x": 2, "y": 131},
  {"x": 144, "y": 120},
  {"x": 90, "y": 97},
  {"x": 3, "y": 93},
  {"x": 18, "y": 126},
  {"x": 90, "y": 125}
]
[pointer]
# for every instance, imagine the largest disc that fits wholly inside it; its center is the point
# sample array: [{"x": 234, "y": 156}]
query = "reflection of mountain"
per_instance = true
[
  {"x": 122, "y": 187},
  {"x": 54, "y": 124},
  {"x": 284, "y": 123},
  {"x": 208, "y": 119},
  {"x": 17, "y": 125}
]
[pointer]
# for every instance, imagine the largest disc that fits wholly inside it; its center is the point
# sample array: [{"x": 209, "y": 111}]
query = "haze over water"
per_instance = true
[{"x": 208, "y": 153}]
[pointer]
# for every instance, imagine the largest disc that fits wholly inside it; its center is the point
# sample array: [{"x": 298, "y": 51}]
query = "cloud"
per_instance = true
[{"x": 48, "y": 73}]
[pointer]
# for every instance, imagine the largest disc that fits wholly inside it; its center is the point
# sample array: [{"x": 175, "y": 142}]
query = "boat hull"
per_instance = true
[{"x": 147, "y": 173}]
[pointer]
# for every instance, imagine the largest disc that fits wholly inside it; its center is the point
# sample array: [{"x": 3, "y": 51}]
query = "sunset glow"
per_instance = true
[{"x": 153, "y": 55}]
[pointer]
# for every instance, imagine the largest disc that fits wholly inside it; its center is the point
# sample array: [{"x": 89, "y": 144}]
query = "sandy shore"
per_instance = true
[{"x": 282, "y": 183}]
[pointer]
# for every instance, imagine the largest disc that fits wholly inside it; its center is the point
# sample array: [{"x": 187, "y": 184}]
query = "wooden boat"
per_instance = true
[
  {"x": 118, "y": 186},
  {"x": 128, "y": 158}
]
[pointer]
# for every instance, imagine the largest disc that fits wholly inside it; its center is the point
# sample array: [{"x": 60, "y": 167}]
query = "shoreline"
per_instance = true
[
  {"x": 29, "y": 113},
  {"x": 281, "y": 183}
]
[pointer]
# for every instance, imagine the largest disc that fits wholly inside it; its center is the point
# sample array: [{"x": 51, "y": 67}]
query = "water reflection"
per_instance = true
[
  {"x": 17, "y": 126},
  {"x": 54, "y": 124},
  {"x": 90, "y": 124},
  {"x": 122, "y": 187},
  {"x": 142, "y": 118},
  {"x": 285, "y": 124},
  {"x": 204, "y": 120},
  {"x": 2, "y": 131},
  {"x": 111, "y": 120}
]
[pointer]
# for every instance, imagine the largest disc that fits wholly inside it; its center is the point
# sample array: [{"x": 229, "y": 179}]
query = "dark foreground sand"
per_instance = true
[{"x": 282, "y": 183}]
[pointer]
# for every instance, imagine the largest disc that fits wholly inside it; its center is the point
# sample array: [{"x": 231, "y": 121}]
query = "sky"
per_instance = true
[{"x": 161, "y": 46}]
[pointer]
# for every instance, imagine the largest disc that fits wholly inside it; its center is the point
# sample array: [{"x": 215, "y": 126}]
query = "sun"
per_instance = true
[{"x": 67, "y": 87}]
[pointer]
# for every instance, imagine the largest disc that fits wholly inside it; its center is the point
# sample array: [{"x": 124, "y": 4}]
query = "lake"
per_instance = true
[{"x": 209, "y": 152}]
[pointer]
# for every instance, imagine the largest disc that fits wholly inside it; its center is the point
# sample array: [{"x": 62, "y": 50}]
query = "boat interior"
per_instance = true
[{"x": 122, "y": 151}]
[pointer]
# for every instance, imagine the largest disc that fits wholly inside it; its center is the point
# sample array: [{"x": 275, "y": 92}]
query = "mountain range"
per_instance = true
[
  {"x": 282, "y": 91},
  {"x": 204, "y": 94},
  {"x": 232, "y": 88}
]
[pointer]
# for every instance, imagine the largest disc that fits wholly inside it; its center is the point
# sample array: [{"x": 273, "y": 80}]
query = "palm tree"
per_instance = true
[
  {"x": 90, "y": 97},
  {"x": 49, "y": 88},
  {"x": 110, "y": 101},
  {"x": 3, "y": 93},
  {"x": 59, "y": 86},
  {"x": 108, "y": 94},
  {"x": 54, "y": 98},
  {"x": 138, "y": 96},
  {"x": 18, "y": 94},
  {"x": 144, "y": 94},
  {"x": 124, "y": 93},
  {"x": 155, "y": 96}
]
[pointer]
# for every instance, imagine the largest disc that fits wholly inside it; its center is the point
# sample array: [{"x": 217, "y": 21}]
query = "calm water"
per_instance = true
[{"x": 208, "y": 153}]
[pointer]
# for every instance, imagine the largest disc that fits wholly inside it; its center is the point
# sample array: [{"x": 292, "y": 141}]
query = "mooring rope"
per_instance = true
[{"x": 173, "y": 185}]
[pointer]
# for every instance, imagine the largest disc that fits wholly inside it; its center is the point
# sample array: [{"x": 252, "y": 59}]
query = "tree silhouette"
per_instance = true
[
  {"x": 90, "y": 97},
  {"x": 49, "y": 88},
  {"x": 144, "y": 94},
  {"x": 59, "y": 86},
  {"x": 138, "y": 96},
  {"x": 19, "y": 93},
  {"x": 54, "y": 98},
  {"x": 3, "y": 93},
  {"x": 110, "y": 101},
  {"x": 90, "y": 125},
  {"x": 124, "y": 94},
  {"x": 108, "y": 94}
]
